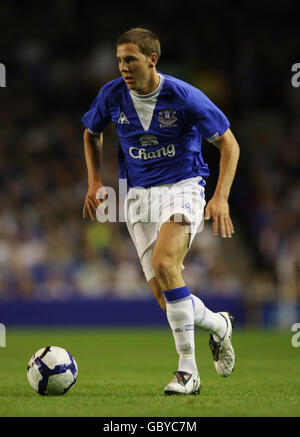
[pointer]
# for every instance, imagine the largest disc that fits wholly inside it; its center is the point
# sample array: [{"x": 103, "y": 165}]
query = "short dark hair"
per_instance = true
[{"x": 146, "y": 40}]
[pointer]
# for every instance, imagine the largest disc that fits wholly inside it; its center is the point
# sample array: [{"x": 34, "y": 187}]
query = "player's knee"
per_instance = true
[{"x": 163, "y": 267}]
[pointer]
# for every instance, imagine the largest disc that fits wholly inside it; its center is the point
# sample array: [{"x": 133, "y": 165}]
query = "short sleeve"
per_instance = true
[
  {"x": 97, "y": 118},
  {"x": 205, "y": 115}
]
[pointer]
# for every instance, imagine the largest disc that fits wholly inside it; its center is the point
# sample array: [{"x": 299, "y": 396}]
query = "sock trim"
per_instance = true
[{"x": 177, "y": 294}]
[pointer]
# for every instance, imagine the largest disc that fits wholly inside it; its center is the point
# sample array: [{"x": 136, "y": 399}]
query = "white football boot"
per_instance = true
[
  {"x": 222, "y": 351},
  {"x": 183, "y": 383}
]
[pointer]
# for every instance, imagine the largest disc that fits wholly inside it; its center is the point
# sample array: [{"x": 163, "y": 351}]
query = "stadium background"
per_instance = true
[{"x": 56, "y": 268}]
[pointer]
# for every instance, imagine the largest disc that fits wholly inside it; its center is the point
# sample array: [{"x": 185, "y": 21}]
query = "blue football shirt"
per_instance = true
[{"x": 170, "y": 150}]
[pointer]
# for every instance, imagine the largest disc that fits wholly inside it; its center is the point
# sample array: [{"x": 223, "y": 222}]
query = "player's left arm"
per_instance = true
[{"x": 217, "y": 208}]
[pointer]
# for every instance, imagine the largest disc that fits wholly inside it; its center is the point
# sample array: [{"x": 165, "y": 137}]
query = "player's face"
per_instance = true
[{"x": 135, "y": 67}]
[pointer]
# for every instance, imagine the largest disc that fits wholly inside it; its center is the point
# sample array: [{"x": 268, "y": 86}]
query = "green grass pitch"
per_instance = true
[{"x": 122, "y": 373}]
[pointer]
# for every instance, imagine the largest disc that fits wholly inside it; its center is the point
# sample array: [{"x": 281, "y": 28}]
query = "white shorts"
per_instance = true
[{"x": 146, "y": 209}]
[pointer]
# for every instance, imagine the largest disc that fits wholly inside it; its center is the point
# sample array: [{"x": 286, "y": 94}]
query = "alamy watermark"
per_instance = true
[
  {"x": 296, "y": 337},
  {"x": 154, "y": 204},
  {"x": 2, "y": 76},
  {"x": 2, "y": 335},
  {"x": 296, "y": 77}
]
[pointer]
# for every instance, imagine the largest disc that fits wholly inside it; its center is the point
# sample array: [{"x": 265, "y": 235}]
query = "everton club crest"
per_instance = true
[{"x": 167, "y": 118}]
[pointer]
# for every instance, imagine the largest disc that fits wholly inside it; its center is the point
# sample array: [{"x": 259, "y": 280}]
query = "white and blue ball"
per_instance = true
[{"x": 52, "y": 371}]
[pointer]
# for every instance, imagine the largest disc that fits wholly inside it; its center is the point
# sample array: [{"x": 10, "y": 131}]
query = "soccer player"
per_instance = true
[{"x": 160, "y": 121}]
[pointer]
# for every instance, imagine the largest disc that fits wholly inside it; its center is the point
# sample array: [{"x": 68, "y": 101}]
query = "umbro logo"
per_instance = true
[{"x": 123, "y": 119}]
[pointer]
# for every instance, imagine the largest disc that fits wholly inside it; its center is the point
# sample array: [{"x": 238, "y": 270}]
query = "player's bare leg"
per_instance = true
[
  {"x": 158, "y": 293},
  {"x": 168, "y": 254},
  {"x": 157, "y": 285}
]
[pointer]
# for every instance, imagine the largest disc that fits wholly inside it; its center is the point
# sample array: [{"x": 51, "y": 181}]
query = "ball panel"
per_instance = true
[
  {"x": 34, "y": 377},
  {"x": 37, "y": 354},
  {"x": 56, "y": 355},
  {"x": 73, "y": 366},
  {"x": 45, "y": 373},
  {"x": 58, "y": 384}
]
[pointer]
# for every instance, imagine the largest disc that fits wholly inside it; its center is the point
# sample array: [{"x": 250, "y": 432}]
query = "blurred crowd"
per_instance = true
[{"x": 57, "y": 57}]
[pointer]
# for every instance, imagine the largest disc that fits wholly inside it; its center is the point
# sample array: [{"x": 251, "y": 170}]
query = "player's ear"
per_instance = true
[{"x": 153, "y": 60}]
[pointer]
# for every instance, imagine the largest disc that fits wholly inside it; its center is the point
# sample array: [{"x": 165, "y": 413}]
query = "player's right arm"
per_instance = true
[
  {"x": 93, "y": 152},
  {"x": 95, "y": 121}
]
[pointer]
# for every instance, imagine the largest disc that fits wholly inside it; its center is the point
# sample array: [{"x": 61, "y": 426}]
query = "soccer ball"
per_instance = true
[{"x": 52, "y": 371}]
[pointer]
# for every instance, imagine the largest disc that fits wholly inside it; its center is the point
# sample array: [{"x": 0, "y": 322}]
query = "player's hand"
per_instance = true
[
  {"x": 217, "y": 209},
  {"x": 91, "y": 202}
]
